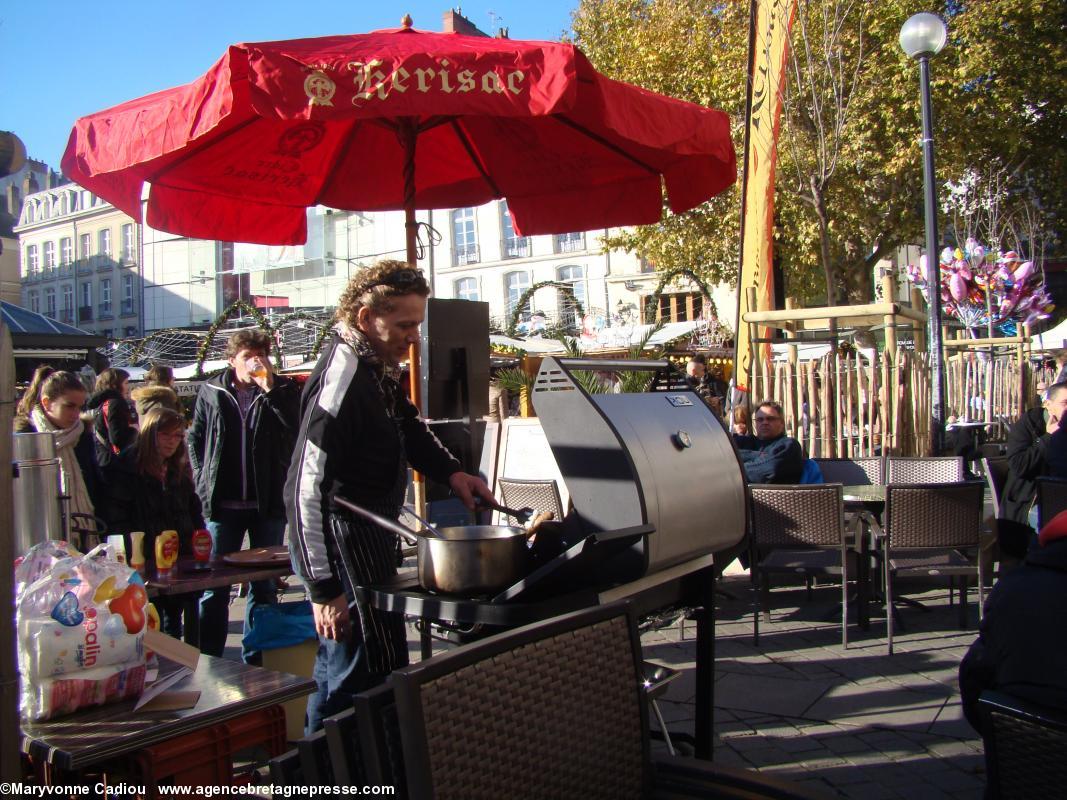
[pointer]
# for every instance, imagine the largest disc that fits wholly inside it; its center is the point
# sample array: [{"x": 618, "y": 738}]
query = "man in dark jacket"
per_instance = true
[
  {"x": 358, "y": 433},
  {"x": 1029, "y": 441},
  {"x": 240, "y": 444},
  {"x": 770, "y": 456},
  {"x": 1021, "y": 649}
]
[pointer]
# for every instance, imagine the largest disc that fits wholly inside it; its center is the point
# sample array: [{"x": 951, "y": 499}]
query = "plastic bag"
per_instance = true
[
  {"x": 280, "y": 625},
  {"x": 81, "y": 630}
]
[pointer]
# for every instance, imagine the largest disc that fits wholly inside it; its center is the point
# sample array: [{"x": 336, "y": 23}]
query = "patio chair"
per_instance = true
[
  {"x": 927, "y": 528},
  {"x": 342, "y": 744},
  {"x": 1025, "y": 748},
  {"x": 552, "y": 709},
  {"x": 286, "y": 770},
  {"x": 996, "y": 476},
  {"x": 379, "y": 738},
  {"x": 542, "y": 495},
  {"x": 939, "y": 469},
  {"x": 315, "y": 762},
  {"x": 852, "y": 471},
  {"x": 1051, "y": 499},
  {"x": 797, "y": 529}
]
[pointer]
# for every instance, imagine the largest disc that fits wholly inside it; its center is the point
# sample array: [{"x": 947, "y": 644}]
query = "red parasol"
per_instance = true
[{"x": 400, "y": 119}]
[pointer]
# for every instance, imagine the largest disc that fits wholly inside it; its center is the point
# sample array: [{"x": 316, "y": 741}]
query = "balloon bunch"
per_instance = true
[{"x": 979, "y": 288}]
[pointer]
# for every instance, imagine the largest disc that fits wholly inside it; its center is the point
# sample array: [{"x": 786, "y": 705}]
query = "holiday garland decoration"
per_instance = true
[
  {"x": 524, "y": 299},
  {"x": 668, "y": 277},
  {"x": 222, "y": 319},
  {"x": 980, "y": 288}
]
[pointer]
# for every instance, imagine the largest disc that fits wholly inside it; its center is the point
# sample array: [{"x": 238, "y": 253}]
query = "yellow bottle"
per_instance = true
[
  {"x": 166, "y": 553},
  {"x": 137, "y": 551}
]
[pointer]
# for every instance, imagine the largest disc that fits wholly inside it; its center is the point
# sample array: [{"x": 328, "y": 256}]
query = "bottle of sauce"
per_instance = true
[
  {"x": 136, "y": 558},
  {"x": 202, "y": 547},
  {"x": 166, "y": 554}
]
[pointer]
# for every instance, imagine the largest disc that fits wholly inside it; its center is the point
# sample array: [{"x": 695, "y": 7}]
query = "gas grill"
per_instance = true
[{"x": 657, "y": 490}]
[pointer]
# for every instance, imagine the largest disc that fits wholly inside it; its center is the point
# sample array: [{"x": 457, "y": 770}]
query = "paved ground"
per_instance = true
[{"x": 849, "y": 723}]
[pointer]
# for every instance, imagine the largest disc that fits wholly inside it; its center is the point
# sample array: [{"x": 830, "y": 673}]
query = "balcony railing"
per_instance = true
[
  {"x": 85, "y": 313},
  {"x": 518, "y": 247},
  {"x": 127, "y": 309},
  {"x": 84, "y": 266},
  {"x": 465, "y": 254},
  {"x": 570, "y": 242},
  {"x": 104, "y": 263},
  {"x": 66, "y": 315},
  {"x": 104, "y": 311},
  {"x": 31, "y": 277}
]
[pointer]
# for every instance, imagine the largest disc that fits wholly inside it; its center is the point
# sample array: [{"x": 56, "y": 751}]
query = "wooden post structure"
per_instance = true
[{"x": 917, "y": 302}]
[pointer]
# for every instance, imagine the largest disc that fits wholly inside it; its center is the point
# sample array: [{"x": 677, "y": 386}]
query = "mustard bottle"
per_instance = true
[
  {"x": 166, "y": 553},
  {"x": 136, "y": 559}
]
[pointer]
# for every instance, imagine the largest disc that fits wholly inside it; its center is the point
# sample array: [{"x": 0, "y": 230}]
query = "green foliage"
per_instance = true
[{"x": 514, "y": 380}]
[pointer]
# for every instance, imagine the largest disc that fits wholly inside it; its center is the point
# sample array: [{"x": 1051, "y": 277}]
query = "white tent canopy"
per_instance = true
[{"x": 1052, "y": 339}]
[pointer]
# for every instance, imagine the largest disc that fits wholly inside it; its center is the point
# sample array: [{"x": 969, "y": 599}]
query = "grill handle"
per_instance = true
[{"x": 613, "y": 364}]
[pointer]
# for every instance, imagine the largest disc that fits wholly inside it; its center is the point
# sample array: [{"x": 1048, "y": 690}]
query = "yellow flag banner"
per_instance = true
[{"x": 771, "y": 23}]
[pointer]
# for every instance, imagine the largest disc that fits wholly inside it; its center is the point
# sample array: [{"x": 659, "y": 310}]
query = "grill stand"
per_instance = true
[{"x": 690, "y": 583}]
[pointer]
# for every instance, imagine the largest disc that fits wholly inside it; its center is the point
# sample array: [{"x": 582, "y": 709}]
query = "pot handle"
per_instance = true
[{"x": 389, "y": 524}]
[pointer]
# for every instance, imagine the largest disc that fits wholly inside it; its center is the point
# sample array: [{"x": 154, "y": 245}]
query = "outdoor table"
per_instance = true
[
  {"x": 858, "y": 498},
  {"x": 227, "y": 689},
  {"x": 184, "y": 579}
]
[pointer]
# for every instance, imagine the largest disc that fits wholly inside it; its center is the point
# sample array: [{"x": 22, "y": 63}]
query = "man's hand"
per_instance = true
[
  {"x": 331, "y": 619},
  {"x": 467, "y": 487},
  {"x": 264, "y": 377}
]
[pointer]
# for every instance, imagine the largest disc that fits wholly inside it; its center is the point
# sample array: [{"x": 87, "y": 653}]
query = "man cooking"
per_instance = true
[{"x": 358, "y": 432}]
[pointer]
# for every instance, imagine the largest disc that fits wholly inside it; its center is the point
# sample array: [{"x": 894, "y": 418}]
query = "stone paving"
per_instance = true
[{"x": 853, "y": 722}]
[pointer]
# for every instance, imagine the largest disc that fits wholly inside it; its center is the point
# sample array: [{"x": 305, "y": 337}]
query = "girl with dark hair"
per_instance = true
[
  {"x": 150, "y": 487},
  {"x": 53, "y": 404},
  {"x": 112, "y": 421}
]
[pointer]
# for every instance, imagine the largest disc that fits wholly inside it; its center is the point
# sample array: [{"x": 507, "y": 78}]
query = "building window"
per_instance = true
[
  {"x": 130, "y": 330},
  {"x": 85, "y": 245},
  {"x": 108, "y": 333},
  {"x": 679, "y": 307},
  {"x": 50, "y": 303},
  {"x": 513, "y": 245},
  {"x": 574, "y": 276},
  {"x": 33, "y": 260},
  {"x": 570, "y": 242},
  {"x": 104, "y": 240},
  {"x": 128, "y": 242},
  {"x": 466, "y": 289},
  {"x": 85, "y": 308},
  {"x": 127, "y": 294},
  {"x": 105, "y": 291},
  {"x": 66, "y": 313},
  {"x": 515, "y": 284},
  {"x": 464, "y": 238},
  {"x": 49, "y": 255},
  {"x": 87, "y": 294},
  {"x": 35, "y": 302},
  {"x": 66, "y": 250}
]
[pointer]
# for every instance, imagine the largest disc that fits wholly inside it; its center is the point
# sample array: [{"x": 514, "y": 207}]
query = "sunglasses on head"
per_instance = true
[{"x": 398, "y": 279}]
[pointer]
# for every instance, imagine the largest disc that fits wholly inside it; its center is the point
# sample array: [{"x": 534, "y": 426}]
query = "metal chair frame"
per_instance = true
[
  {"x": 926, "y": 521},
  {"x": 796, "y": 529},
  {"x": 1051, "y": 499}
]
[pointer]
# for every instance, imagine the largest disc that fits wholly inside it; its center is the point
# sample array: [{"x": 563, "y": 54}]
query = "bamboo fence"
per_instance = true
[{"x": 849, "y": 405}]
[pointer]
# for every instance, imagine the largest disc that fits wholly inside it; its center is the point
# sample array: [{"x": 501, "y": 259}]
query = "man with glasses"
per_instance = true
[
  {"x": 770, "y": 456},
  {"x": 358, "y": 433}
]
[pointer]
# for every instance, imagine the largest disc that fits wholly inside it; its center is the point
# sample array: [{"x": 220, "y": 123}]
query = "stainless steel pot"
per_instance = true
[{"x": 466, "y": 560}]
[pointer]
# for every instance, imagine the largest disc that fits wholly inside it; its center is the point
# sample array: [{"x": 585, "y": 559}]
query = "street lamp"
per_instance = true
[{"x": 922, "y": 36}]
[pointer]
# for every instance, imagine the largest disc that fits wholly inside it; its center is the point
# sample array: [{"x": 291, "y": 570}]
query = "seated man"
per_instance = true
[
  {"x": 1029, "y": 442},
  {"x": 1020, "y": 649},
  {"x": 770, "y": 456}
]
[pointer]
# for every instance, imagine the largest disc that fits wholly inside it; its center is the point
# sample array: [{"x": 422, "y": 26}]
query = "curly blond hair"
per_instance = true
[{"x": 374, "y": 286}]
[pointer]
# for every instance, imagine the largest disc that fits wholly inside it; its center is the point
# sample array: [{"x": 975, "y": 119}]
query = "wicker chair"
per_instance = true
[
  {"x": 927, "y": 526},
  {"x": 542, "y": 495},
  {"x": 379, "y": 738},
  {"x": 852, "y": 471},
  {"x": 1051, "y": 499},
  {"x": 315, "y": 762},
  {"x": 942, "y": 469},
  {"x": 996, "y": 476},
  {"x": 342, "y": 740},
  {"x": 1025, "y": 748},
  {"x": 552, "y": 709},
  {"x": 286, "y": 769},
  {"x": 798, "y": 529}
]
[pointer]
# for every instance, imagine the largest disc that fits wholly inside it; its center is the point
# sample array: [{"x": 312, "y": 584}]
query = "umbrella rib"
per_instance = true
[
  {"x": 602, "y": 141},
  {"x": 474, "y": 157},
  {"x": 208, "y": 142},
  {"x": 346, "y": 147}
]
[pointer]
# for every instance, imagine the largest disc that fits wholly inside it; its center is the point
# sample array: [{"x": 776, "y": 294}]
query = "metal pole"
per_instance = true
[{"x": 933, "y": 267}]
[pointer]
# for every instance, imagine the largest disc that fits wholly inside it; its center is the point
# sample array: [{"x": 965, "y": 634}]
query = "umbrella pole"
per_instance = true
[{"x": 407, "y": 135}]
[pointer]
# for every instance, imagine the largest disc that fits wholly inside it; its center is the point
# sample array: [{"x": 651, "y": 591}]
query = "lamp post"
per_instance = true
[{"x": 921, "y": 37}]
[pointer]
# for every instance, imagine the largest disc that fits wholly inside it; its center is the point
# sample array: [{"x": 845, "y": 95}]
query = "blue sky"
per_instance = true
[{"x": 61, "y": 59}]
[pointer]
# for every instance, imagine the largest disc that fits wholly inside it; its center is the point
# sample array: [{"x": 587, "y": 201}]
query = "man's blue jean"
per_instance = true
[{"x": 228, "y": 529}]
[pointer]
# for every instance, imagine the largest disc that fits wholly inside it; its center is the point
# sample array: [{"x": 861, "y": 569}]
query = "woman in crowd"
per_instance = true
[
  {"x": 113, "y": 424},
  {"x": 53, "y": 404},
  {"x": 150, "y": 489},
  {"x": 741, "y": 421},
  {"x": 157, "y": 391}
]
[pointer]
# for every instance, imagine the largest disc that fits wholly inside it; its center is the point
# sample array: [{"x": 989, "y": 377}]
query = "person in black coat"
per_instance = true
[
  {"x": 113, "y": 424},
  {"x": 240, "y": 443},
  {"x": 1029, "y": 442},
  {"x": 1021, "y": 649},
  {"x": 770, "y": 456},
  {"x": 150, "y": 489}
]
